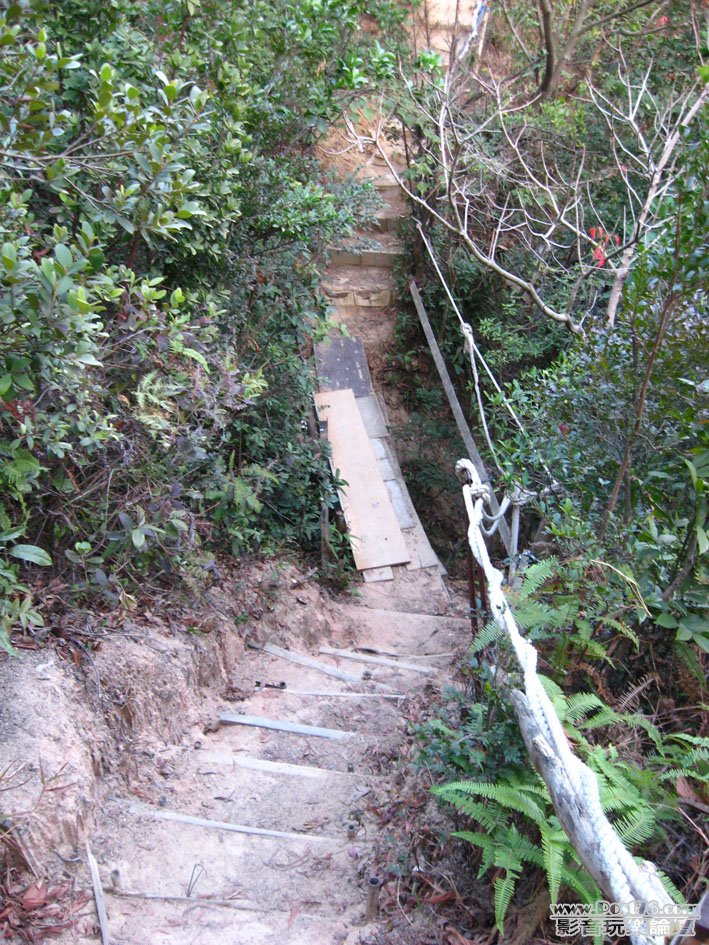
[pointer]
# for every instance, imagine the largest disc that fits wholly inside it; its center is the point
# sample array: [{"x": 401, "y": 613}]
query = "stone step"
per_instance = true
[
  {"x": 389, "y": 219},
  {"x": 383, "y": 259},
  {"x": 379, "y": 251},
  {"x": 360, "y": 285}
]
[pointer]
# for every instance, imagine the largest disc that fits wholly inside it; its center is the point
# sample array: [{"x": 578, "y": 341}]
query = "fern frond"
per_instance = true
[
  {"x": 604, "y": 716},
  {"x": 623, "y": 629},
  {"x": 555, "y": 693},
  {"x": 524, "y": 849},
  {"x": 553, "y": 851},
  {"x": 637, "y": 826},
  {"x": 485, "y": 844},
  {"x": 490, "y": 634},
  {"x": 580, "y": 705},
  {"x": 486, "y": 815},
  {"x": 536, "y": 575},
  {"x": 535, "y": 615},
  {"x": 672, "y": 890},
  {"x": 581, "y": 883},
  {"x": 593, "y": 648},
  {"x": 504, "y": 890},
  {"x": 509, "y": 798}
]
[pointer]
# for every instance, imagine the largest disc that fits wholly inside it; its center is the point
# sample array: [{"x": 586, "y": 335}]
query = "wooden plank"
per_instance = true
[
  {"x": 295, "y": 728},
  {"x": 372, "y": 416},
  {"x": 461, "y": 422},
  {"x": 377, "y": 660},
  {"x": 422, "y": 554},
  {"x": 346, "y": 695},
  {"x": 377, "y": 539},
  {"x": 371, "y": 575},
  {"x": 303, "y": 660},
  {"x": 402, "y": 504},
  {"x": 342, "y": 365},
  {"x": 240, "y": 828},
  {"x": 98, "y": 896}
]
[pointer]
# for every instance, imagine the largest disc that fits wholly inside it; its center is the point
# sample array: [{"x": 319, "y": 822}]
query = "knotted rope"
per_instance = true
[{"x": 607, "y": 859}]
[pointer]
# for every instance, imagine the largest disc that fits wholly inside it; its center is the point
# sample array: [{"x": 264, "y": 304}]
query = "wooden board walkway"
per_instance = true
[{"x": 368, "y": 510}]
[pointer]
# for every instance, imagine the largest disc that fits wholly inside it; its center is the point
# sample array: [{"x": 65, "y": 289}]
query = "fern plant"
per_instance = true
[
  {"x": 515, "y": 820},
  {"x": 539, "y": 842},
  {"x": 568, "y": 620}
]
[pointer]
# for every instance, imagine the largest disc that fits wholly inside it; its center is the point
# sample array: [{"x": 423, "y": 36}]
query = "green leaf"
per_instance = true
[
  {"x": 31, "y": 553},
  {"x": 9, "y": 256},
  {"x": 64, "y": 257},
  {"x": 666, "y": 619},
  {"x": 11, "y": 534},
  {"x": 196, "y": 356}
]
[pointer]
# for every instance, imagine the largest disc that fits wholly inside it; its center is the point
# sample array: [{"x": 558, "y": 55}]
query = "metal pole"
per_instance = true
[
  {"x": 373, "y": 887},
  {"x": 460, "y": 420}
]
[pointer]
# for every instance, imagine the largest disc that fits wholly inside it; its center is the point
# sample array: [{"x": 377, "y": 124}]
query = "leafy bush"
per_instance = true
[{"x": 161, "y": 225}]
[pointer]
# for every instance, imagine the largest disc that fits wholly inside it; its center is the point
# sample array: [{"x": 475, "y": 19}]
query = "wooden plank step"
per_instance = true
[
  {"x": 399, "y": 495},
  {"x": 303, "y": 660},
  {"x": 240, "y": 828},
  {"x": 371, "y": 520},
  {"x": 377, "y": 660},
  {"x": 295, "y": 728}
]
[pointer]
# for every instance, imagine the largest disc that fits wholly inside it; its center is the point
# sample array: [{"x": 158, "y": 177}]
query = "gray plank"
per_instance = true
[
  {"x": 378, "y": 574},
  {"x": 240, "y": 828},
  {"x": 98, "y": 897},
  {"x": 341, "y": 364},
  {"x": 377, "y": 660},
  {"x": 294, "y": 657},
  {"x": 386, "y": 460},
  {"x": 402, "y": 504},
  {"x": 295, "y": 728},
  {"x": 372, "y": 417}
]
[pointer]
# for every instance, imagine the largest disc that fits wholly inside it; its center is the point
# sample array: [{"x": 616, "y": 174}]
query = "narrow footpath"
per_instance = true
[{"x": 266, "y": 835}]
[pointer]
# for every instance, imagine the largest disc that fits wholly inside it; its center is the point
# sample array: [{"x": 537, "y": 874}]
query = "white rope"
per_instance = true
[{"x": 627, "y": 879}]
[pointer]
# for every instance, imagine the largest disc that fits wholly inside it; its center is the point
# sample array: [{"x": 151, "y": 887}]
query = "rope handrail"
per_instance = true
[{"x": 573, "y": 786}]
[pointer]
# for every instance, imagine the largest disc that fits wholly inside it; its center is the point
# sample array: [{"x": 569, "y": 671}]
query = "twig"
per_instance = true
[{"x": 98, "y": 896}]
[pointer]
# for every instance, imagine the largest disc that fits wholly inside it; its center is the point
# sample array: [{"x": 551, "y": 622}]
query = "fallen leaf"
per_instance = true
[{"x": 34, "y": 897}]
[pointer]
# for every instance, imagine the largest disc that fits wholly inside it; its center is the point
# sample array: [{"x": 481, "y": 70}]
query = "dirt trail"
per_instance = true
[{"x": 276, "y": 825}]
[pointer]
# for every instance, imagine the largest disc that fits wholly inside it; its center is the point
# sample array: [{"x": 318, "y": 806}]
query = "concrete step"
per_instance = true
[{"x": 389, "y": 219}]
